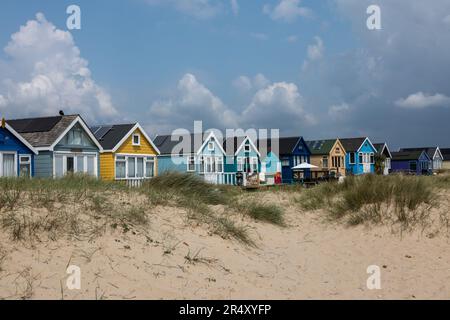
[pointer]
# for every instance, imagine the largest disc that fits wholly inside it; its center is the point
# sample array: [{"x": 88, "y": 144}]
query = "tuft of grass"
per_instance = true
[
  {"x": 270, "y": 213},
  {"x": 396, "y": 199}
]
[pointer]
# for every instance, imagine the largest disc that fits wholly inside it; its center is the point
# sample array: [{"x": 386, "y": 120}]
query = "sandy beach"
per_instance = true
[{"x": 174, "y": 259}]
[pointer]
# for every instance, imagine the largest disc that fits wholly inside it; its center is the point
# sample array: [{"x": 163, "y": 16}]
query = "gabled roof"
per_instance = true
[
  {"x": 20, "y": 138},
  {"x": 233, "y": 146},
  {"x": 352, "y": 144},
  {"x": 408, "y": 155},
  {"x": 431, "y": 151},
  {"x": 44, "y": 133},
  {"x": 321, "y": 147},
  {"x": 111, "y": 137},
  {"x": 446, "y": 154},
  {"x": 381, "y": 147},
  {"x": 196, "y": 143}
]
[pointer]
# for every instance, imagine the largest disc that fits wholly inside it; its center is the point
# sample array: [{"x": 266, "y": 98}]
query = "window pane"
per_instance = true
[
  {"x": 8, "y": 165},
  {"x": 140, "y": 167},
  {"x": 69, "y": 165},
  {"x": 202, "y": 165},
  {"x": 149, "y": 169},
  {"x": 25, "y": 170},
  {"x": 131, "y": 168},
  {"x": 80, "y": 164},
  {"x": 59, "y": 166},
  {"x": 120, "y": 169},
  {"x": 91, "y": 165}
]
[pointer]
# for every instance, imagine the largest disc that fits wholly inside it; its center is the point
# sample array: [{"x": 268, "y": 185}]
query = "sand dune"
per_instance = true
[{"x": 173, "y": 259}]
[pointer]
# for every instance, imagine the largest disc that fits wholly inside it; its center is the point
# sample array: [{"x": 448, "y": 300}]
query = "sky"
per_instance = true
[{"x": 310, "y": 68}]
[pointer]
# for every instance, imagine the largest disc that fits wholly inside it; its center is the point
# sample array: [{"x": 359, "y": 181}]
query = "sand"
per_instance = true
[{"x": 309, "y": 259}]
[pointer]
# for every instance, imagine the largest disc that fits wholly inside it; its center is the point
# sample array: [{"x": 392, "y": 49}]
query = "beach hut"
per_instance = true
[
  {"x": 433, "y": 152},
  {"x": 270, "y": 161},
  {"x": 293, "y": 151},
  {"x": 411, "y": 162},
  {"x": 128, "y": 153},
  {"x": 16, "y": 154},
  {"x": 360, "y": 155},
  {"x": 328, "y": 156},
  {"x": 64, "y": 143},
  {"x": 384, "y": 153}
]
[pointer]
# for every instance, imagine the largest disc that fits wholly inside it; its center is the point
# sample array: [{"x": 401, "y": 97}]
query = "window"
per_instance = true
[
  {"x": 254, "y": 164},
  {"x": 7, "y": 165},
  {"x": 74, "y": 136},
  {"x": 372, "y": 158},
  {"x": 285, "y": 162},
  {"x": 338, "y": 150},
  {"x": 25, "y": 166},
  {"x": 121, "y": 166},
  {"x": 149, "y": 168},
  {"x": 70, "y": 165},
  {"x": 240, "y": 164},
  {"x": 140, "y": 167},
  {"x": 219, "y": 163},
  {"x": 209, "y": 165},
  {"x": 325, "y": 162},
  {"x": 361, "y": 158},
  {"x": 352, "y": 158},
  {"x": 131, "y": 167},
  {"x": 247, "y": 148},
  {"x": 136, "y": 140},
  {"x": 211, "y": 146},
  {"x": 191, "y": 164},
  {"x": 413, "y": 166}
]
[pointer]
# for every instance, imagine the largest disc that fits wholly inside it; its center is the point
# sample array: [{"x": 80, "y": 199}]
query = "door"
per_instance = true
[
  {"x": 70, "y": 165},
  {"x": 8, "y": 165}
]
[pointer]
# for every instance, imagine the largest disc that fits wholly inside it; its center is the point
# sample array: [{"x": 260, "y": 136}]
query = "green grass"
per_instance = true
[
  {"x": 398, "y": 199},
  {"x": 264, "y": 212}
]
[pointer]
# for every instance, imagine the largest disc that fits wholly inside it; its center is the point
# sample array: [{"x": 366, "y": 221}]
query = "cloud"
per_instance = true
[
  {"x": 259, "y": 36},
  {"x": 338, "y": 111},
  {"x": 235, "y": 7},
  {"x": 45, "y": 73},
  {"x": 286, "y": 10},
  {"x": 292, "y": 39},
  {"x": 422, "y": 100},
  {"x": 200, "y": 9},
  {"x": 246, "y": 84},
  {"x": 315, "y": 52},
  {"x": 191, "y": 101},
  {"x": 279, "y": 105}
]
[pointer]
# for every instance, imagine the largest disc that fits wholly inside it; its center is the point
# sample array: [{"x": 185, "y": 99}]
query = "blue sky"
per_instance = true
[{"x": 307, "y": 68}]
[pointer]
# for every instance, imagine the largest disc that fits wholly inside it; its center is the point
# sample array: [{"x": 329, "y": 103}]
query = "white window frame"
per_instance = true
[
  {"x": 211, "y": 146},
  {"x": 219, "y": 161},
  {"x": 146, "y": 158},
  {"x": 202, "y": 164},
  {"x": 254, "y": 164},
  {"x": 240, "y": 163},
  {"x": 350, "y": 158},
  {"x": 247, "y": 148},
  {"x": 85, "y": 155},
  {"x": 326, "y": 159},
  {"x": 24, "y": 162},
  {"x": 189, "y": 162},
  {"x": 1, "y": 162},
  {"x": 136, "y": 144}
]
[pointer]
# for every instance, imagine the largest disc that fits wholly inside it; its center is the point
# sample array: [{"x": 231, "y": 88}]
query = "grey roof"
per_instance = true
[
  {"x": 42, "y": 132},
  {"x": 288, "y": 144},
  {"x": 321, "y": 147},
  {"x": 190, "y": 143},
  {"x": 110, "y": 135},
  {"x": 406, "y": 155},
  {"x": 446, "y": 154},
  {"x": 352, "y": 144},
  {"x": 429, "y": 150},
  {"x": 379, "y": 147}
]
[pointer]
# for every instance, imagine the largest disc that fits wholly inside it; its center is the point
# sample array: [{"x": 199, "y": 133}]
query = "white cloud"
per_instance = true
[
  {"x": 422, "y": 100},
  {"x": 3, "y": 101},
  {"x": 189, "y": 102},
  {"x": 292, "y": 38},
  {"x": 259, "y": 36},
  {"x": 286, "y": 10},
  {"x": 337, "y": 111},
  {"x": 447, "y": 20},
  {"x": 235, "y": 7},
  {"x": 45, "y": 73},
  {"x": 246, "y": 84},
  {"x": 276, "y": 106},
  {"x": 200, "y": 9},
  {"x": 315, "y": 52}
]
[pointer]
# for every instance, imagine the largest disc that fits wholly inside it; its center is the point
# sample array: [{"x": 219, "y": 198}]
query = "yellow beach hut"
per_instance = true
[{"x": 128, "y": 153}]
